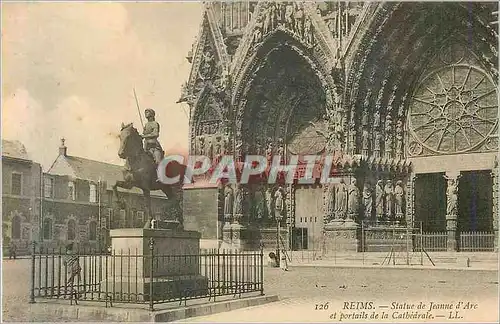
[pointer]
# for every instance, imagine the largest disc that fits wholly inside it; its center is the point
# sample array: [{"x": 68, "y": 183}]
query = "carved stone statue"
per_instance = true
[
  {"x": 330, "y": 107},
  {"x": 379, "y": 200},
  {"x": 299, "y": 21},
  {"x": 273, "y": 15},
  {"x": 279, "y": 203},
  {"x": 308, "y": 31},
  {"x": 376, "y": 119},
  {"x": 289, "y": 16},
  {"x": 364, "y": 118},
  {"x": 389, "y": 198},
  {"x": 378, "y": 142},
  {"x": 368, "y": 201},
  {"x": 150, "y": 135},
  {"x": 218, "y": 153},
  {"x": 238, "y": 204},
  {"x": 267, "y": 25},
  {"x": 341, "y": 199},
  {"x": 269, "y": 202},
  {"x": 200, "y": 145},
  {"x": 281, "y": 13},
  {"x": 269, "y": 150},
  {"x": 257, "y": 34},
  {"x": 452, "y": 190},
  {"x": 330, "y": 202},
  {"x": 365, "y": 142},
  {"x": 388, "y": 138},
  {"x": 353, "y": 195},
  {"x": 260, "y": 205},
  {"x": 228, "y": 203},
  {"x": 399, "y": 139},
  {"x": 399, "y": 199}
]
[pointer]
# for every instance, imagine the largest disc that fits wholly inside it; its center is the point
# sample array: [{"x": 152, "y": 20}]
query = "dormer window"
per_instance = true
[{"x": 71, "y": 190}]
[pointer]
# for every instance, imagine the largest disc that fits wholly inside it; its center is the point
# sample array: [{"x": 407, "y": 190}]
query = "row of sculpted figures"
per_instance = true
[
  {"x": 266, "y": 203},
  {"x": 289, "y": 15},
  {"x": 384, "y": 203}
]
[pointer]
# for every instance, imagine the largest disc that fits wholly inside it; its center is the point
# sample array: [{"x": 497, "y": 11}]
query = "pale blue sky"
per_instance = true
[{"x": 68, "y": 70}]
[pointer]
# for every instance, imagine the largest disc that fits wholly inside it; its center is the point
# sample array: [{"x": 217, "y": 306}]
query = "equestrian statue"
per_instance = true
[{"x": 141, "y": 163}]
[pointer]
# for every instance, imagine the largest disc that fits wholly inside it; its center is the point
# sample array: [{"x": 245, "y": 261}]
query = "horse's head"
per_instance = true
[{"x": 130, "y": 141}]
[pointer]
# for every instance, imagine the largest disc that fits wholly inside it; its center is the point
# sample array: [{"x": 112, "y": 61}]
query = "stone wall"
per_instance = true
[{"x": 200, "y": 208}]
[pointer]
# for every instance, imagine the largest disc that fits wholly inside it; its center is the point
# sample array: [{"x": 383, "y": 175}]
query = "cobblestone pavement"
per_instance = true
[{"x": 302, "y": 288}]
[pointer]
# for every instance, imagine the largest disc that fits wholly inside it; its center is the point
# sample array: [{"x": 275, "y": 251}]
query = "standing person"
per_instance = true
[
  {"x": 284, "y": 262},
  {"x": 73, "y": 269},
  {"x": 12, "y": 250}
]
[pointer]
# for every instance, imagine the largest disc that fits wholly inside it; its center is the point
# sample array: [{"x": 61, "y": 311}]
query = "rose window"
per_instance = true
[{"x": 455, "y": 109}]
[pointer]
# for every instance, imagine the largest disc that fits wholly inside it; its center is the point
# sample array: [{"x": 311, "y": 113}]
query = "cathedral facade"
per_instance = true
[{"x": 403, "y": 95}]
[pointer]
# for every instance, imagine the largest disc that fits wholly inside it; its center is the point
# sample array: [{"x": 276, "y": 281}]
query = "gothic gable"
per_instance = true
[{"x": 299, "y": 22}]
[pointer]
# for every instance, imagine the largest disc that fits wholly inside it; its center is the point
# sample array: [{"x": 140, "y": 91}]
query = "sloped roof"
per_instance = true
[
  {"x": 14, "y": 149},
  {"x": 95, "y": 171}
]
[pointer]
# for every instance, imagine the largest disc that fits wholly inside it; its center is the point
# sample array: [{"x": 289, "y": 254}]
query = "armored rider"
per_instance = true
[{"x": 150, "y": 135}]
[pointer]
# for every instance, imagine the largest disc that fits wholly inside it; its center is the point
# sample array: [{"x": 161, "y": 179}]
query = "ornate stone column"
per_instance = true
[
  {"x": 452, "y": 209},
  {"x": 228, "y": 216},
  {"x": 410, "y": 200},
  {"x": 290, "y": 213},
  {"x": 494, "y": 178}
]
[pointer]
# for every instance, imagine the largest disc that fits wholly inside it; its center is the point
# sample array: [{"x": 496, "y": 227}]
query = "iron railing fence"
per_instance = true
[
  {"x": 431, "y": 241},
  {"x": 476, "y": 241},
  {"x": 135, "y": 278}
]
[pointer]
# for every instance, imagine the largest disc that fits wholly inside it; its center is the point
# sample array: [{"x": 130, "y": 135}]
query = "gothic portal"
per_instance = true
[{"x": 404, "y": 95}]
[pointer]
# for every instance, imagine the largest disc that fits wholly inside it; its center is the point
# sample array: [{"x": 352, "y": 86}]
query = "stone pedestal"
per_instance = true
[
  {"x": 239, "y": 237},
  {"x": 341, "y": 236},
  {"x": 451, "y": 229},
  {"x": 383, "y": 238},
  {"x": 227, "y": 236},
  {"x": 244, "y": 237},
  {"x": 175, "y": 265}
]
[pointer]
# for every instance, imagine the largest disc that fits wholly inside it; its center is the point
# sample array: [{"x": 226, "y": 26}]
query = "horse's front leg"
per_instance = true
[{"x": 147, "y": 201}]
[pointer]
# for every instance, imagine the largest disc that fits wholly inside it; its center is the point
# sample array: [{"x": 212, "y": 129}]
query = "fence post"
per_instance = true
[
  {"x": 32, "y": 281},
  {"x": 151, "y": 247},
  {"x": 262, "y": 271}
]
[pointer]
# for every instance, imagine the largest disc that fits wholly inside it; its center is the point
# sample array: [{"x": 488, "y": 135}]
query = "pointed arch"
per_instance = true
[
  {"x": 387, "y": 62},
  {"x": 321, "y": 51}
]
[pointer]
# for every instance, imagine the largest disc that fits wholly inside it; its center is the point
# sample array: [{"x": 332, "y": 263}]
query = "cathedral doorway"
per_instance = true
[
  {"x": 430, "y": 202},
  {"x": 475, "y": 202},
  {"x": 285, "y": 106},
  {"x": 475, "y": 210}
]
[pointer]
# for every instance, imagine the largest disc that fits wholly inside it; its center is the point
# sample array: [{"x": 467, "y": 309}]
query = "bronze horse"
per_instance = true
[{"x": 141, "y": 172}]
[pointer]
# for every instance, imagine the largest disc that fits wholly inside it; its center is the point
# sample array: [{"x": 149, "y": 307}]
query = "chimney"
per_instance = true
[{"x": 63, "y": 150}]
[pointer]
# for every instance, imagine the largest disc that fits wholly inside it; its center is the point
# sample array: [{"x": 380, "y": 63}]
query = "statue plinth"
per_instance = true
[
  {"x": 239, "y": 237},
  {"x": 176, "y": 266},
  {"x": 341, "y": 236}
]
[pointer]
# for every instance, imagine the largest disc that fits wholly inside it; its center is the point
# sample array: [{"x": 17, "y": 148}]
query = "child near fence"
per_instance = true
[{"x": 73, "y": 270}]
